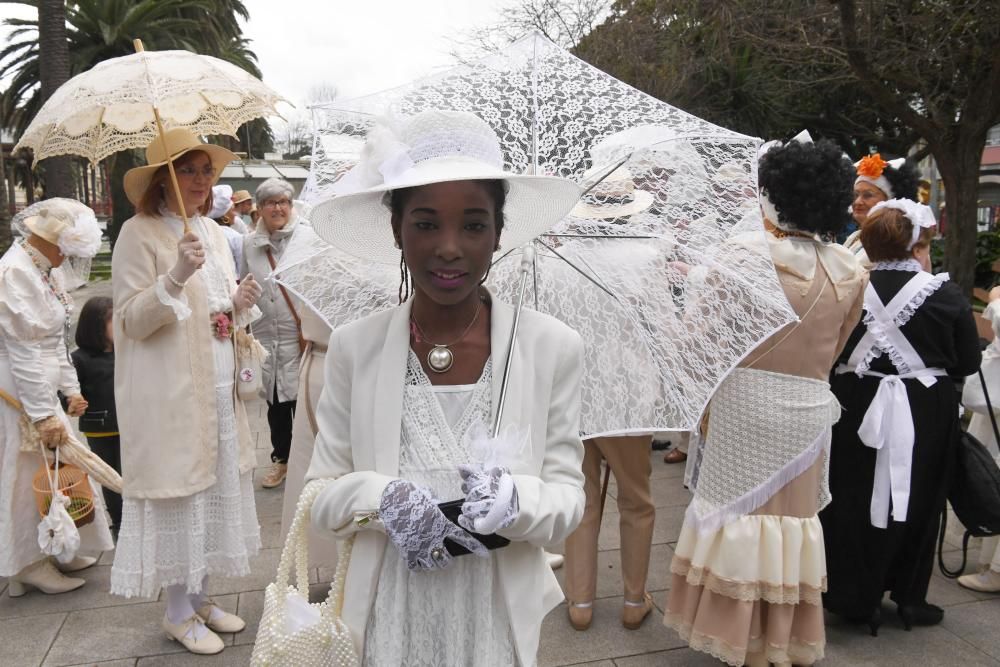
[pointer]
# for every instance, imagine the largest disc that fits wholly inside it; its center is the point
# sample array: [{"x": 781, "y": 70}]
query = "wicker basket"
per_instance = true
[{"x": 73, "y": 483}]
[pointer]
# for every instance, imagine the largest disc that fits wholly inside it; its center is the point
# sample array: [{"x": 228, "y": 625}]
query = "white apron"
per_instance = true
[{"x": 888, "y": 424}]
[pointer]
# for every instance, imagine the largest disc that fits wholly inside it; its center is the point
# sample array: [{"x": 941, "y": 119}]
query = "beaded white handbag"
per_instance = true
[{"x": 294, "y": 632}]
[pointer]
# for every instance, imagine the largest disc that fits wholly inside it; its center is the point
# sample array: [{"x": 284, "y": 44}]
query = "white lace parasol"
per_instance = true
[
  {"x": 109, "y": 108},
  {"x": 662, "y": 268}
]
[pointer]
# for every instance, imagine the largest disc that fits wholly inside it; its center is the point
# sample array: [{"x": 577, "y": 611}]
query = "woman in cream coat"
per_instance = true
[
  {"x": 388, "y": 435},
  {"x": 187, "y": 458}
]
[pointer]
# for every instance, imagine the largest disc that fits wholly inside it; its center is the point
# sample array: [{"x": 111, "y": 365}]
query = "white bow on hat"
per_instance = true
[{"x": 919, "y": 215}]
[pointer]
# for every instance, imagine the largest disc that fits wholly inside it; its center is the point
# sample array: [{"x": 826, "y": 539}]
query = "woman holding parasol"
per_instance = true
[
  {"x": 187, "y": 456},
  {"x": 408, "y": 392}
]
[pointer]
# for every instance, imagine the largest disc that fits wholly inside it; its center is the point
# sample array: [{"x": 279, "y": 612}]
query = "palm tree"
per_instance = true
[
  {"x": 53, "y": 65},
  {"x": 102, "y": 29}
]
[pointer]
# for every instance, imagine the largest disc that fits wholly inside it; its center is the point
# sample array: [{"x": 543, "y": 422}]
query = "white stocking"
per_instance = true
[
  {"x": 179, "y": 609},
  {"x": 200, "y": 598}
]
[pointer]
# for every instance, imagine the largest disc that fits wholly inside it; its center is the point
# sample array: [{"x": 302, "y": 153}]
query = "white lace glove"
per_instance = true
[
  {"x": 247, "y": 293},
  {"x": 490, "y": 499},
  {"x": 418, "y": 527},
  {"x": 52, "y": 432}
]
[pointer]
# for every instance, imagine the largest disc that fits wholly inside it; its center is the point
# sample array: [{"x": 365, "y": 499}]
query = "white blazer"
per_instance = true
[{"x": 359, "y": 416}]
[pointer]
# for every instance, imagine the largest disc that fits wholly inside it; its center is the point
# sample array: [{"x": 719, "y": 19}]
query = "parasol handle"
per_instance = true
[
  {"x": 527, "y": 263},
  {"x": 137, "y": 43}
]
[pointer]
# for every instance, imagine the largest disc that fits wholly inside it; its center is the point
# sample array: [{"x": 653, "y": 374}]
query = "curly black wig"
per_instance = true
[
  {"x": 904, "y": 181},
  {"x": 810, "y": 185}
]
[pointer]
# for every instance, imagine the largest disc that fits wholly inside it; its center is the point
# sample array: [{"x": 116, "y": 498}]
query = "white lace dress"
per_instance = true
[
  {"x": 454, "y": 616},
  {"x": 215, "y": 531}
]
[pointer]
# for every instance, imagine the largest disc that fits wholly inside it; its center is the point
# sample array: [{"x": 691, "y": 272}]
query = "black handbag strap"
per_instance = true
[
  {"x": 956, "y": 573},
  {"x": 989, "y": 406}
]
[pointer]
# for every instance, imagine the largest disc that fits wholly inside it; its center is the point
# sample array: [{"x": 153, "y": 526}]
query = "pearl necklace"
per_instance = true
[
  {"x": 60, "y": 295},
  {"x": 440, "y": 359},
  {"x": 39, "y": 261}
]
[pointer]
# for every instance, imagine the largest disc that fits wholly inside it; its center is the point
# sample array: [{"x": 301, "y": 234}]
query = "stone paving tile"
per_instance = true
[
  {"x": 129, "y": 662},
  {"x": 976, "y": 623},
  {"x": 678, "y": 657},
  {"x": 606, "y": 638},
  {"x": 232, "y": 656},
  {"x": 947, "y": 593},
  {"x": 25, "y": 641},
  {"x": 852, "y": 646},
  {"x": 93, "y": 595},
  {"x": 249, "y": 608},
  {"x": 116, "y": 633},
  {"x": 609, "y": 580}
]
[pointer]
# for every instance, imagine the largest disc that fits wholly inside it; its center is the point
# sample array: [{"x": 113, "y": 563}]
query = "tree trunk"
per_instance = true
[
  {"x": 6, "y": 237},
  {"x": 121, "y": 207},
  {"x": 53, "y": 65},
  {"x": 960, "y": 172}
]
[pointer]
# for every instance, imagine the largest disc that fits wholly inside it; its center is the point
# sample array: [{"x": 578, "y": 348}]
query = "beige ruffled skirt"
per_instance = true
[{"x": 752, "y": 589}]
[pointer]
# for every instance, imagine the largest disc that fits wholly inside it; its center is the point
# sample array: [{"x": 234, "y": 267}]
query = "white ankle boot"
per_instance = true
[
  {"x": 986, "y": 581},
  {"x": 45, "y": 577},
  {"x": 77, "y": 564}
]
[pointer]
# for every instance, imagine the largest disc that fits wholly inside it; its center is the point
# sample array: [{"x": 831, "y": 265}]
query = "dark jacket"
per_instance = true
[{"x": 97, "y": 384}]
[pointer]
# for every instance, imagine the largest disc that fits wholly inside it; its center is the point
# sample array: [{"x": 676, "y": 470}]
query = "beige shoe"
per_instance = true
[
  {"x": 218, "y": 619},
  {"x": 555, "y": 561},
  {"x": 184, "y": 633},
  {"x": 634, "y": 613},
  {"x": 77, "y": 564},
  {"x": 44, "y": 576},
  {"x": 581, "y": 614},
  {"x": 275, "y": 476},
  {"x": 986, "y": 581}
]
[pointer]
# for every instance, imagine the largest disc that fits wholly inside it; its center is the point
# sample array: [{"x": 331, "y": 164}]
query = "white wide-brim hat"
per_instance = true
[
  {"x": 433, "y": 147},
  {"x": 66, "y": 223}
]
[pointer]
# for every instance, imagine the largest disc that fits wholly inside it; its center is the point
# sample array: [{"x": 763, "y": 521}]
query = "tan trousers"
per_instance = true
[{"x": 628, "y": 458}]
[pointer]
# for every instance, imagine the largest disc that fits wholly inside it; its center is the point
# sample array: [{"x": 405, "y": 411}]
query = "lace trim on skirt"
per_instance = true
[
  {"x": 797, "y": 652},
  {"x": 748, "y": 591},
  {"x": 181, "y": 540}
]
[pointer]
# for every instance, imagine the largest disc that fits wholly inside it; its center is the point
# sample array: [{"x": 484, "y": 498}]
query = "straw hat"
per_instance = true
[
  {"x": 241, "y": 196},
  {"x": 65, "y": 223},
  {"x": 433, "y": 147},
  {"x": 614, "y": 197},
  {"x": 179, "y": 141}
]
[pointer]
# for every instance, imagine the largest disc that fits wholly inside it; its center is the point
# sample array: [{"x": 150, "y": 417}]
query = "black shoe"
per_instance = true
[
  {"x": 923, "y": 613},
  {"x": 872, "y": 620}
]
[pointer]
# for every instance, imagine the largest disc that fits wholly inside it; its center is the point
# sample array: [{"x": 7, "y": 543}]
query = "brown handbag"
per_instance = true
[{"x": 288, "y": 300}]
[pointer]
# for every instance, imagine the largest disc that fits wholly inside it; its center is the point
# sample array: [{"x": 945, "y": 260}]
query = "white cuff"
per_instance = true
[
  {"x": 180, "y": 306},
  {"x": 247, "y": 316}
]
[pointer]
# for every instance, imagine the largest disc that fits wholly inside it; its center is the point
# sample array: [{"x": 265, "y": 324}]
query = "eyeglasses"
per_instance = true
[
  {"x": 190, "y": 172},
  {"x": 271, "y": 203},
  {"x": 866, "y": 195}
]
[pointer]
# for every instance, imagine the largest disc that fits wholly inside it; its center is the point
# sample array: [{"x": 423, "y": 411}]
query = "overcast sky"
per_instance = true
[{"x": 359, "y": 47}]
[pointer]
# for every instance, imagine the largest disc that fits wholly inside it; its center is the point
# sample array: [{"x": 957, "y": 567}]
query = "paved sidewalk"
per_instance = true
[{"x": 91, "y": 627}]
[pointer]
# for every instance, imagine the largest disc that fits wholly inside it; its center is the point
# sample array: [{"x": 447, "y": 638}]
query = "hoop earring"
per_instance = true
[{"x": 404, "y": 280}]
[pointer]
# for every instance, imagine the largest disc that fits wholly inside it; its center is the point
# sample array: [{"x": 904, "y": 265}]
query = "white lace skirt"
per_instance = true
[{"x": 182, "y": 540}]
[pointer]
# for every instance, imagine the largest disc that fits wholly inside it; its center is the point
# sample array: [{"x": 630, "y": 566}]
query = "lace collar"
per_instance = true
[{"x": 898, "y": 265}]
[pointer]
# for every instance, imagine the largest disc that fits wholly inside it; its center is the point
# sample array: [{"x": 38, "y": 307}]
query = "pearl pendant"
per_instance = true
[{"x": 440, "y": 359}]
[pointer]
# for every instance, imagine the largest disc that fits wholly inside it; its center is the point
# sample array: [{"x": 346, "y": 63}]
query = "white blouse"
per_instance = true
[{"x": 454, "y": 616}]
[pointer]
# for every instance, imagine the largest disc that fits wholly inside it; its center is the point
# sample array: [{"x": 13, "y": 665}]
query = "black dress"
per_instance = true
[{"x": 864, "y": 561}]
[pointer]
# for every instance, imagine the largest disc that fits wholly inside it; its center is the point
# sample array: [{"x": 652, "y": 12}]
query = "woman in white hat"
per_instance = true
[
  {"x": 34, "y": 365},
  {"x": 407, "y": 390},
  {"x": 187, "y": 457}
]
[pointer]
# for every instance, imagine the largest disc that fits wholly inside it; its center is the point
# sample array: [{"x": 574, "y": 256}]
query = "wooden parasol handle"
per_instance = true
[{"x": 170, "y": 163}]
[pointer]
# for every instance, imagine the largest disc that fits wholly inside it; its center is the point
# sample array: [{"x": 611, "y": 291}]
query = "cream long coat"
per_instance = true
[
  {"x": 359, "y": 417},
  {"x": 164, "y": 370}
]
